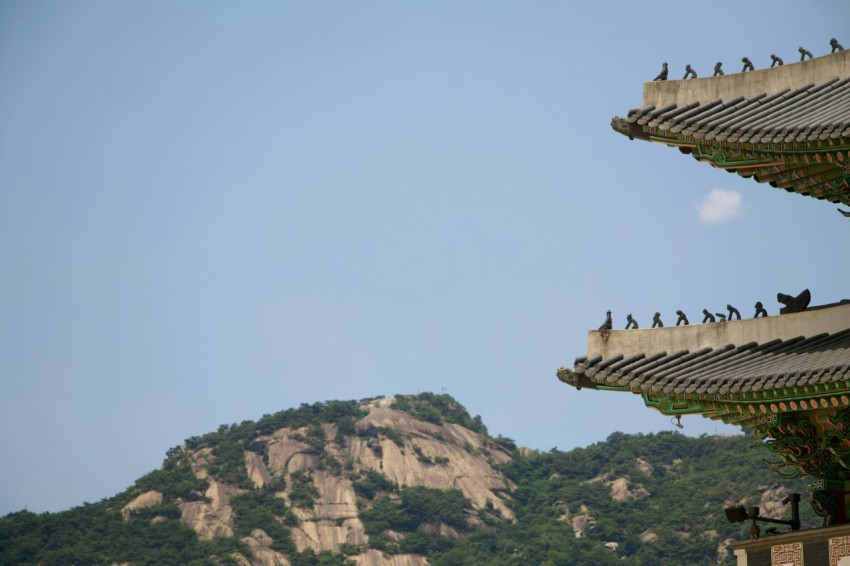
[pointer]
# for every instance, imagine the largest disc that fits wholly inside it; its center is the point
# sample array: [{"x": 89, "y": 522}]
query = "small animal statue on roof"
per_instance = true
[
  {"x": 662, "y": 76},
  {"x": 631, "y": 322},
  {"x": 776, "y": 61},
  {"x": 733, "y": 312},
  {"x": 844, "y": 212},
  {"x": 835, "y": 45},
  {"x": 689, "y": 73},
  {"x": 805, "y": 53},
  {"x": 682, "y": 318},
  {"x": 794, "y": 304},
  {"x": 656, "y": 321},
  {"x": 748, "y": 65},
  {"x": 608, "y": 324},
  {"x": 708, "y": 316},
  {"x": 721, "y": 316},
  {"x": 717, "y": 70},
  {"x": 760, "y": 310}
]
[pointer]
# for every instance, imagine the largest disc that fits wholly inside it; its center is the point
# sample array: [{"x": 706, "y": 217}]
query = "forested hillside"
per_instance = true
[{"x": 413, "y": 480}]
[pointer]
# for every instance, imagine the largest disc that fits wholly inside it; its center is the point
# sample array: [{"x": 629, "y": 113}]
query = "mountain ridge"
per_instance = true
[{"x": 405, "y": 480}]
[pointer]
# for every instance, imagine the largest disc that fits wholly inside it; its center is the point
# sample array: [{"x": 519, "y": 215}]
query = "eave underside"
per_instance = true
[
  {"x": 818, "y": 169},
  {"x": 750, "y": 411}
]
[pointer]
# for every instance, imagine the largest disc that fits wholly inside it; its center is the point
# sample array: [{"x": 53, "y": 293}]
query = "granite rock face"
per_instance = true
[{"x": 407, "y": 451}]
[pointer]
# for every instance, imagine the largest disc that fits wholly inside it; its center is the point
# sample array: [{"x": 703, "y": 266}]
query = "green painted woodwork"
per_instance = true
[{"x": 817, "y": 168}]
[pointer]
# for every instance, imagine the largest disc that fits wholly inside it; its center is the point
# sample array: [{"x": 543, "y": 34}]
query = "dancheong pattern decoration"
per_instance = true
[
  {"x": 820, "y": 169},
  {"x": 816, "y": 445}
]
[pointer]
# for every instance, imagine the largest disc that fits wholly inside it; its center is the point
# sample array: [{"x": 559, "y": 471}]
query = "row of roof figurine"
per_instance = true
[
  {"x": 631, "y": 323},
  {"x": 748, "y": 65},
  {"x": 792, "y": 305}
]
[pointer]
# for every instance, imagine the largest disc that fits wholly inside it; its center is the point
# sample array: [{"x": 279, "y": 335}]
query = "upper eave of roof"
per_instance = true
[
  {"x": 763, "y": 361},
  {"x": 787, "y": 126},
  {"x": 795, "y": 369}
]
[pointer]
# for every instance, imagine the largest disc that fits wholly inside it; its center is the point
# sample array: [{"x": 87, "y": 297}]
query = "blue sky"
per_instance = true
[{"x": 210, "y": 211}]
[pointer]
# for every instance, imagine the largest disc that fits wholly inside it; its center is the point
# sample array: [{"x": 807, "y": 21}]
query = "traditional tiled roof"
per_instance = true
[
  {"x": 770, "y": 368},
  {"x": 728, "y": 371},
  {"x": 794, "y": 134},
  {"x": 787, "y": 377},
  {"x": 794, "y": 392},
  {"x": 811, "y": 113}
]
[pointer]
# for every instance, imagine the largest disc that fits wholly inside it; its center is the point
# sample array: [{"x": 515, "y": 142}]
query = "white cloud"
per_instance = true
[{"x": 720, "y": 205}]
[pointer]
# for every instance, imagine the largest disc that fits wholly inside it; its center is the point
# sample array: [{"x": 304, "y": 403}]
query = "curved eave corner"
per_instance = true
[{"x": 786, "y": 126}]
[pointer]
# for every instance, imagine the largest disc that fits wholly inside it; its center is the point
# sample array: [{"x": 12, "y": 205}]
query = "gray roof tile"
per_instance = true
[
  {"x": 727, "y": 371},
  {"x": 809, "y": 113}
]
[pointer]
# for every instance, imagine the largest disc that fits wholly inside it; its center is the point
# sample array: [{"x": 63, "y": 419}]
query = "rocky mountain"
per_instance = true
[
  {"x": 410, "y": 480},
  {"x": 318, "y": 470}
]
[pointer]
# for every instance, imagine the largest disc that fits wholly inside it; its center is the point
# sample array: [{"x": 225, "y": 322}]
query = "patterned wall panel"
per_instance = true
[
  {"x": 839, "y": 551},
  {"x": 787, "y": 554}
]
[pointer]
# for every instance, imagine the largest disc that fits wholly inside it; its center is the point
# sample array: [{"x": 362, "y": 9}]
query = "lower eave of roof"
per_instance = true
[
  {"x": 747, "y": 410},
  {"x": 737, "y": 371}
]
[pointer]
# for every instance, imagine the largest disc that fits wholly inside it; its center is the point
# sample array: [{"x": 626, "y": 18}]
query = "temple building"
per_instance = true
[{"x": 783, "y": 375}]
